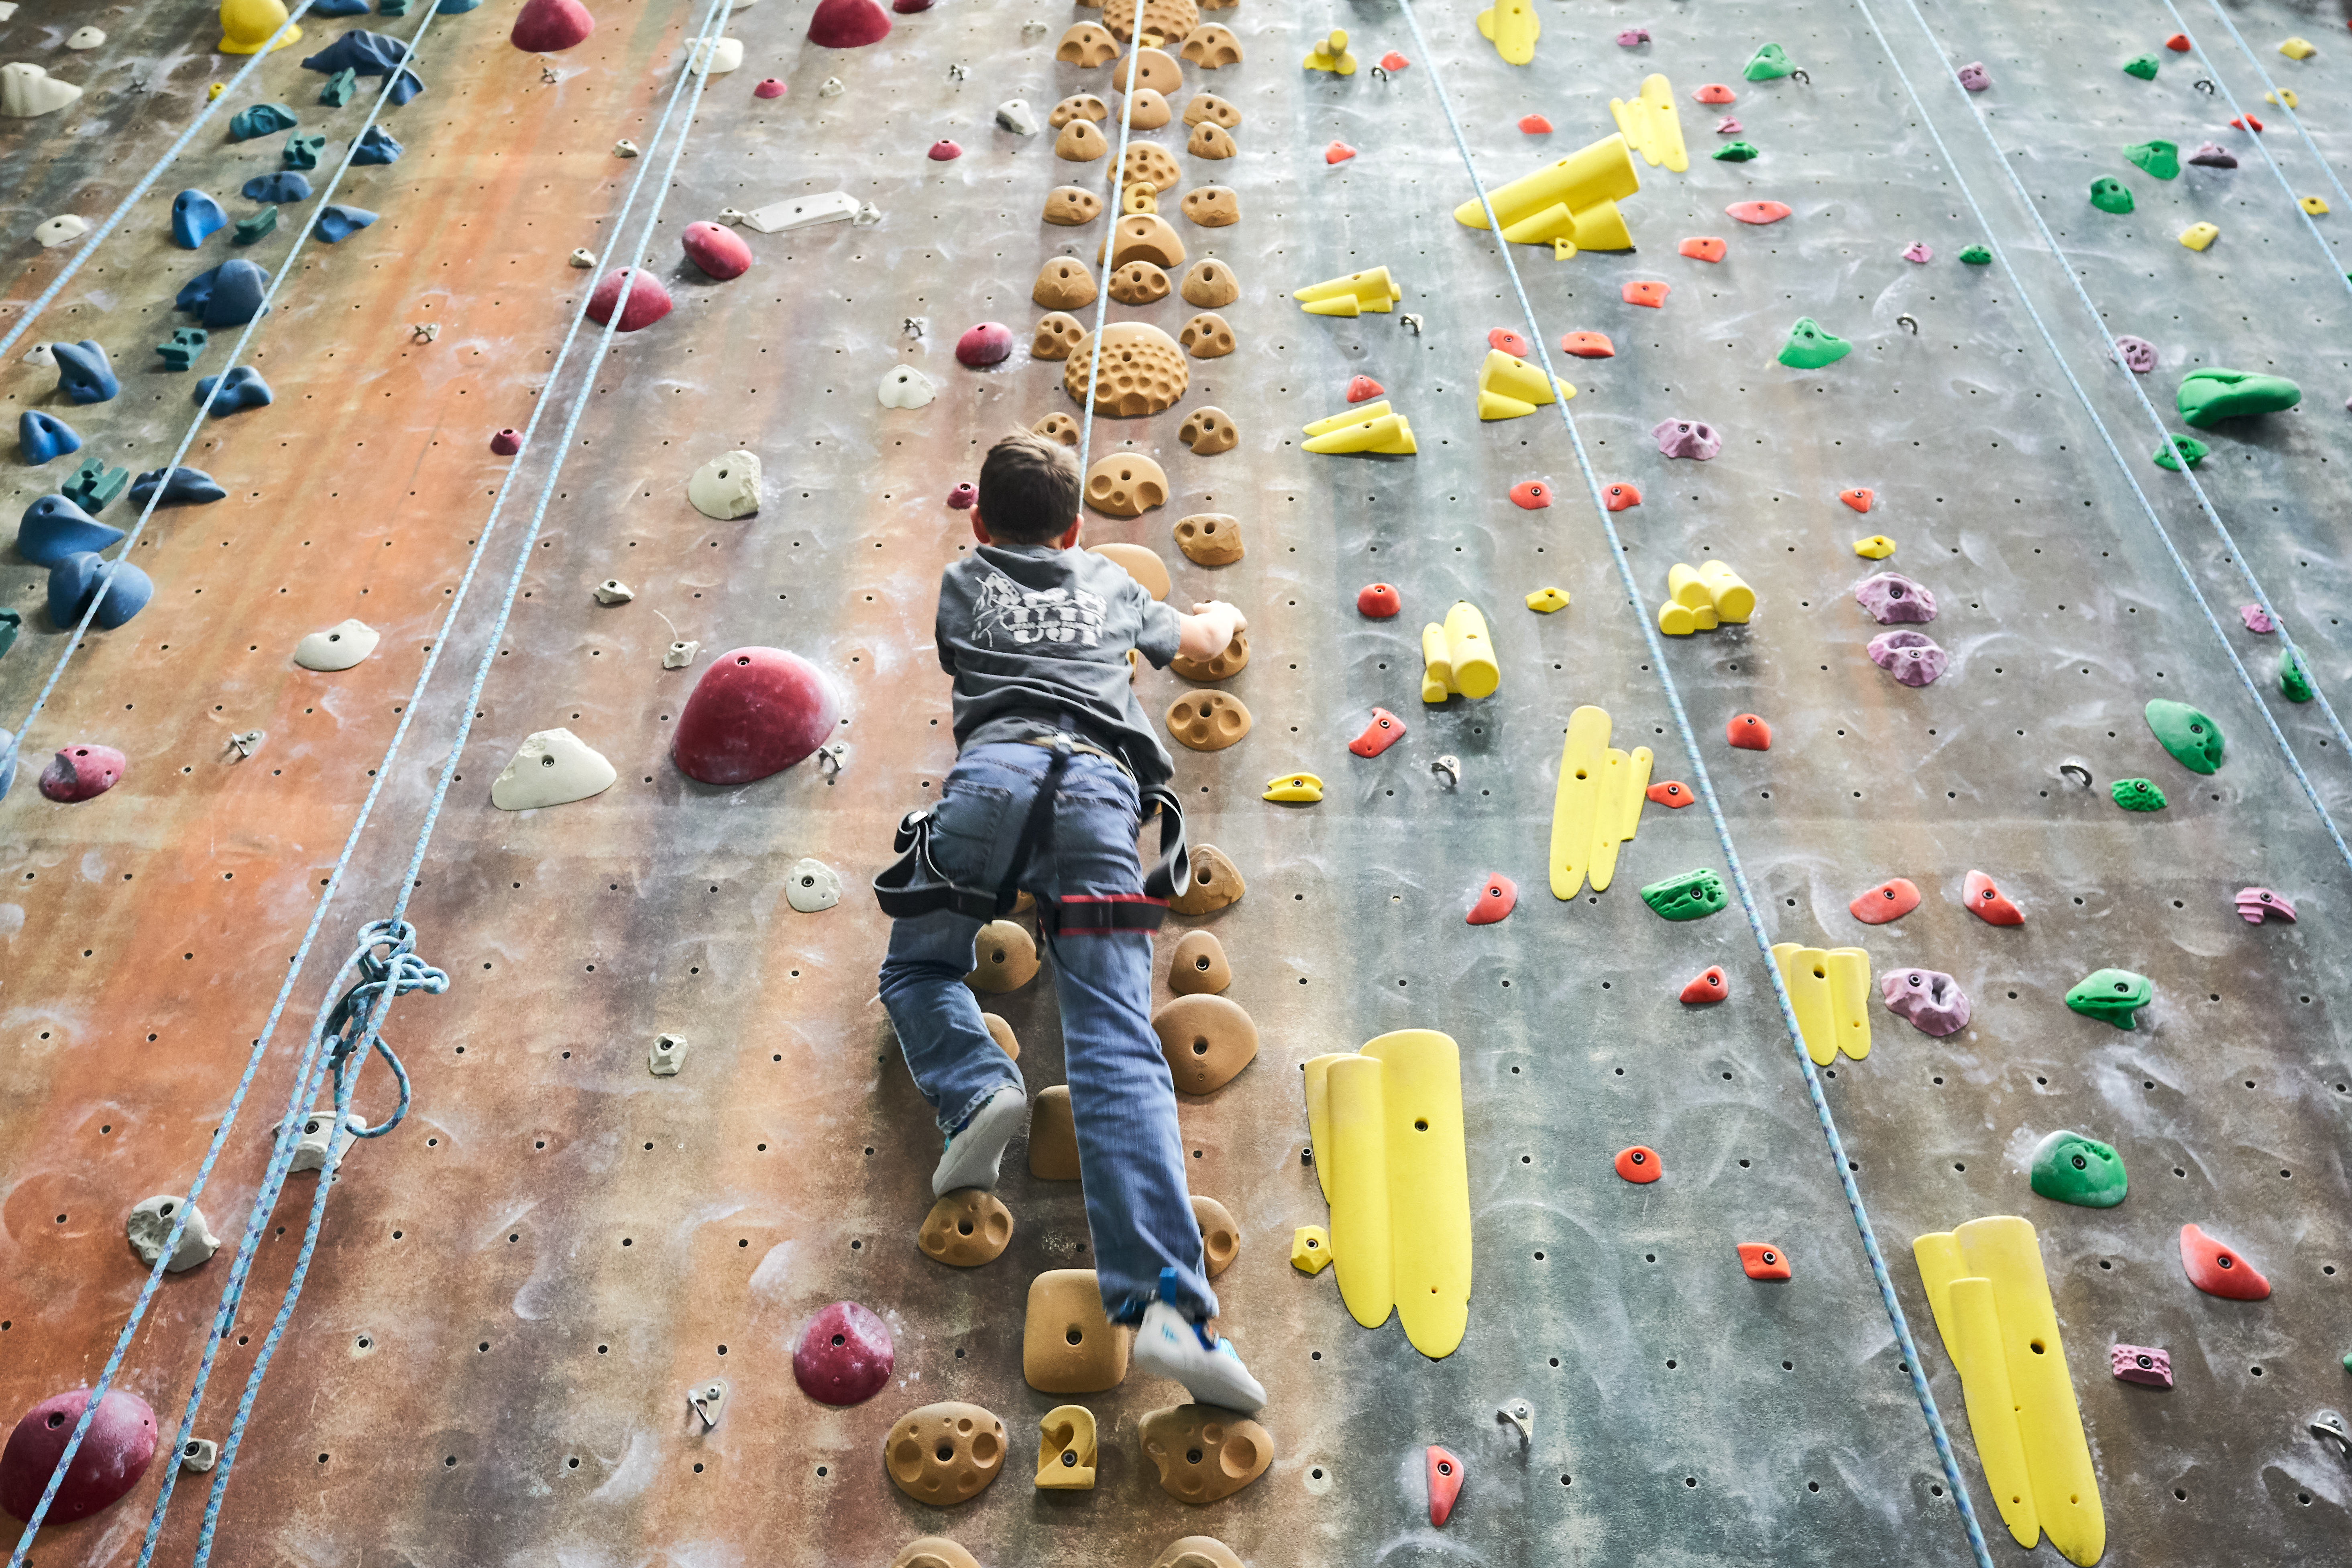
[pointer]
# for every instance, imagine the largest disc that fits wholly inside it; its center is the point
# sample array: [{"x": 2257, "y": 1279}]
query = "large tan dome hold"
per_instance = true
[
  {"x": 1171, "y": 19},
  {"x": 1143, "y": 371}
]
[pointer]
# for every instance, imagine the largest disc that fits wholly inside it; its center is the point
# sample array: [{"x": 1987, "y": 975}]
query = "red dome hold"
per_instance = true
[{"x": 755, "y": 711}]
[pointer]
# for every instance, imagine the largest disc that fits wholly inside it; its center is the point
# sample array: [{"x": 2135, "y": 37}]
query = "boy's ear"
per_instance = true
[
  {"x": 980, "y": 528},
  {"x": 1070, "y": 535}
]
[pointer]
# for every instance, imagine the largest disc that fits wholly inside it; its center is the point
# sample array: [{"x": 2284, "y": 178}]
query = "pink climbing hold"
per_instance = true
[
  {"x": 845, "y": 1355},
  {"x": 1363, "y": 388},
  {"x": 910, "y": 7},
  {"x": 1497, "y": 897},
  {"x": 1531, "y": 495},
  {"x": 1975, "y": 77},
  {"x": 755, "y": 711},
  {"x": 1890, "y": 900},
  {"x": 648, "y": 300},
  {"x": 1691, "y": 438},
  {"x": 1444, "y": 1484},
  {"x": 1535, "y": 125},
  {"x": 1918, "y": 253},
  {"x": 1338, "y": 153},
  {"x": 1748, "y": 732},
  {"x": 1713, "y": 92},
  {"x": 717, "y": 249},
  {"x": 82, "y": 773},
  {"x": 551, "y": 26},
  {"x": 1912, "y": 659},
  {"x": 771, "y": 87},
  {"x": 2257, "y": 619},
  {"x": 1633, "y": 37},
  {"x": 1757, "y": 212},
  {"x": 849, "y": 23},
  {"x": 1394, "y": 62},
  {"x": 1385, "y": 730},
  {"x": 1509, "y": 342},
  {"x": 2259, "y": 904},
  {"x": 989, "y": 342},
  {"x": 112, "y": 1458},
  {"x": 2219, "y": 1270},
  {"x": 944, "y": 152},
  {"x": 2141, "y": 1363},
  {"x": 964, "y": 497},
  {"x": 1728, "y": 126},
  {"x": 506, "y": 443},
  {"x": 2138, "y": 353},
  {"x": 1932, "y": 1000}
]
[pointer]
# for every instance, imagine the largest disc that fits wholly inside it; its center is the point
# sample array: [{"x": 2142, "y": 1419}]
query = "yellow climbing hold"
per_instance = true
[
  {"x": 215, "y": 90},
  {"x": 1331, "y": 55},
  {"x": 1830, "y": 992},
  {"x": 1596, "y": 806},
  {"x": 1511, "y": 388},
  {"x": 2315, "y": 205},
  {"x": 1368, "y": 427},
  {"x": 1513, "y": 25},
  {"x": 2284, "y": 96},
  {"x": 1544, "y": 601},
  {"x": 2198, "y": 236},
  {"x": 1678, "y": 620},
  {"x": 2297, "y": 50},
  {"x": 1571, "y": 203},
  {"x": 1311, "y": 1248},
  {"x": 246, "y": 26},
  {"x": 1878, "y": 547},
  {"x": 1700, "y": 599},
  {"x": 1653, "y": 125},
  {"x": 1065, "y": 1459},
  {"x": 1294, "y": 787},
  {"x": 1351, "y": 295},
  {"x": 1458, "y": 658}
]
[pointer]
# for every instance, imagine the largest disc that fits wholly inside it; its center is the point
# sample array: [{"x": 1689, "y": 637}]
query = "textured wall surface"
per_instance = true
[{"x": 514, "y": 1290}]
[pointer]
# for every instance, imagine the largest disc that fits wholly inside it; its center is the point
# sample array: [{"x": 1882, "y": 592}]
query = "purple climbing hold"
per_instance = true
[
  {"x": 964, "y": 497},
  {"x": 2257, "y": 619},
  {"x": 989, "y": 342},
  {"x": 2139, "y": 353},
  {"x": 1919, "y": 252},
  {"x": 1911, "y": 658},
  {"x": 181, "y": 487},
  {"x": 83, "y": 772},
  {"x": 1891, "y": 597},
  {"x": 1633, "y": 37},
  {"x": 1687, "y": 439},
  {"x": 2213, "y": 156},
  {"x": 2257, "y": 904},
  {"x": 845, "y": 1355},
  {"x": 2141, "y": 1363},
  {"x": 114, "y": 1455},
  {"x": 1728, "y": 126},
  {"x": 1933, "y": 1002},
  {"x": 1974, "y": 76}
]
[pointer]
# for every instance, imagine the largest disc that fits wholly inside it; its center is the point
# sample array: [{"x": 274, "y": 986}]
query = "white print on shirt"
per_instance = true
[{"x": 1066, "y": 615}]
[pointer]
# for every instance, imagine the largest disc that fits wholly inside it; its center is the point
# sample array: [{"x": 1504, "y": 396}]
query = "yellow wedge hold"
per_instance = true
[
  {"x": 1429, "y": 1186},
  {"x": 1361, "y": 1227},
  {"x": 1805, "y": 971},
  {"x": 1572, "y": 200},
  {"x": 1390, "y": 434},
  {"x": 1514, "y": 27},
  {"x": 1371, "y": 291},
  {"x": 1974, "y": 1342},
  {"x": 1294, "y": 787},
  {"x": 1652, "y": 124},
  {"x": 1362, "y": 413},
  {"x": 1494, "y": 406},
  {"x": 1576, "y": 799},
  {"x": 1849, "y": 969},
  {"x": 1515, "y": 377}
]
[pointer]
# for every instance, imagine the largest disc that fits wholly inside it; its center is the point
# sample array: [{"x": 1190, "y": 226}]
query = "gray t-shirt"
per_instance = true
[{"x": 1037, "y": 638}]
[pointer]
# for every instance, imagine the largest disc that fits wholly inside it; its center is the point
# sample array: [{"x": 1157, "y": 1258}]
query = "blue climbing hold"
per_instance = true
[
  {"x": 377, "y": 146},
  {"x": 54, "y": 528},
  {"x": 195, "y": 215},
  {"x": 227, "y": 296},
  {"x": 241, "y": 389},
  {"x": 261, "y": 120},
  {"x": 45, "y": 435},
  {"x": 338, "y": 222},
  {"x": 94, "y": 485},
  {"x": 404, "y": 86},
  {"x": 370, "y": 54},
  {"x": 83, "y": 373},
  {"x": 181, "y": 487},
  {"x": 286, "y": 185},
  {"x": 75, "y": 581},
  {"x": 339, "y": 8}
]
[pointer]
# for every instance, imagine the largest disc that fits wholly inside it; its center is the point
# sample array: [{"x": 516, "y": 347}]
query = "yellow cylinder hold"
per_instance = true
[
  {"x": 247, "y": 25},
  {"x": 1469, "y": 652}
]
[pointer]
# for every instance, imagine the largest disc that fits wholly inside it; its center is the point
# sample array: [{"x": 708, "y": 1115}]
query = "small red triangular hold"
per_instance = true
[
  {"x": 1338, "y": 153},
  {"x": 1509, "y": 342},
  {"x": 1709, "y": 988},
  {"x": 1859, "y": 500},
  {"x": 2246, "y": 122},
  {"x": 1444, "y": 1484},
  {"x": 1748, "y": 732},
  {"x": 1364, "y": 387},
  {"x": 2178, "y": 43},
  {"x": 1394, "y": 62},
  {"x": 1535, "y": 125}
]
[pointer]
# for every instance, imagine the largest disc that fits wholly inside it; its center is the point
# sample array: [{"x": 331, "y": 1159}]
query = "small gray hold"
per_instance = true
[
  {"x": 2213, "y": 156},
  {"x": 612, "y": 591},
  {"x": 149, "y": 1225},
  {"x": 583, "y": 257},
  {"x": 1016, "y": 115},
  {"x": 668, "y": 1056},
  {"x": 811, "y": 886},
  {"x": 1911, "y": 658},
  {"x": 625, "y": 148},
  {"x": 199, "y": 1454},
  {"x": 1891, "y": 597},
  {"x": 679, "y": 654},
  {"x": 830, "y": 87},
  {"x": 310, "y": 1148}
]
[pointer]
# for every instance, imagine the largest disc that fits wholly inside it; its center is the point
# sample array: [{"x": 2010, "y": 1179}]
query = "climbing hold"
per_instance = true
[
  {"x": 1702, "y": 247},
  {"x": 715, "y": 56},
  {"x": 1687, "y": 439},
  {"x": 338, "y": 223},
  {"x": 338, "y": 647},
  {"x": 1652, "y": 127},
  {"x": 83, "y": 373},
  {"x": 41, "y": 436},
  {"x": 181, "y": 487},
  {"x": 1709, "y": 988},
  {"x": 1975, "y": 77},
  {"x": 261, "y": 120},
  {"x": 966, "y": 1228},
  {"x": 1210, "y": 538},
  {"x": 1370, "y": 428},
  {"x": 2257, "y": 904},
  {"x": 1142, "y": 237},
  {"x": 1748, "y": 732},
  {"x": 2198, "y": 236},
  {"x": 84, "y": 772},
  {"x": 1444, "y": 1470},
  {"x": 1379, "y": 600},
  {"x": 987, "y": 343},
  {"x": 1890, "y": 900},
  {"x": 2257, "y": 619},
  {"x": 1331, "y": 55},
  {"x": 1357, "y": 292},
  {"x": 2070, "y": 1168},
  {"x": 1535, "y": 125},
  {"x": 1810, "y": 346},
  {"x": 552, "y": 767},
  {"x": 1296, "y": 789},
  {"x": 648, "y": 300},
  {"x": 285, "y": 185},
  {"x": 1570, "y": 204},
  {"x": 1631, "y": 38},
  {"x": 2218, "y": 1269},
  {"x": 1639, "y": 1165},
  {"x": 57, "y": 230},
  {"x": 2141, "y": 66},
  {"x": 1211, "y": 46},
  {"x": 942, "y": 1454},
  {"x": 1976, "y": 256},
  {"x": 1005, "y": 957},
  {"x": 2213, "y": 156},
  {"x": 1931, "y": 1000},
  {"x": 774, "y": 87},
  {"x": 74, "y": 585},
  {"x": 1125, "y": 484},
  {"x": 1213, "y": 142},
  {"x": 2111, "y": 196},
  {"x": 2208, "y": 397},
  {"x": 93, "y": 486},
  {"x": 2183, "y": 449},
  {"x": 1508, "y": 341},
  {"x": 1457, "y": 657},
  {"x": 1211, "y": 206},
  {"x": 1384, "y": 731},
  {"x": 1988, "y": 904},
  {"x": 2284, "y": 97},
  {"x": 1728, "y": 126},
  {"x": 1767, "y": 63},
  {"x": 1496, "y": 898},
  {"x": 1545, "y": 601},
  {"x": 1068, "y": 206},
  {"x": 754, "y": 712},
  {"x": 1738, "y": 152},
  {"x": 845, "y": 1355},
  {"x": 195, "y": 215},
  {"x": 113, "y": 1456},
  {"x": 506, "y": 443},
  {"x": 27, "y": 91},
  {"x": 2138, "y": 356},
  {"x": 2161, "y": 159},
  {"x": 2138, "y": 794},
  {"x": 1918, "y": 251},
  {"x": 2178, "y": 43},
  {"x": 944, "y": 152},
  {"x": 1621, "y": 497},
  {"x": 1198, "y": 967},
  {"x": 1713, "y": 92},
  {"x": 240, "y": 389},
  {"x": 340, "y": 87},
  {"x": 1310, "y": 1249},
  {"x": 933, "y": 1551},
  {"x": 1653, "y": 295},
  {"x": 1694, "y": 895},
  {"x": 719, "y": 251},
  {"x": 1360, "y": 390},
  {"x": 1208, "y": 431},
  {"x": 1531, "y": 495},
  {"x": 149, "y": 1226},
  {"x": 1912, "y": 659},
  {"x": 2141, "y": 1363},
  {"x": 2315, "y": 205},
  {"x": 1208, "y": 721},
  {"x": 1065, "y": 1459},
  {"x": 2111, "y": 997},
  {"x": 1207, "y": 1039},
  {"x": 370, "y": 54},
  {"x": 1861, "y": 501},
  {"x": 551, "y": 26},
  {"x": 1057, "y": 333},
  {"x": 1142, "y": 371},
  {"x": 1760, "y": 1260},
  {"x": 2194, "y": 740},
  {"x": 1204, "y": 1454},
  {"x": 964, "y": 497},
  {"x": 2297, "y": 50},
  {"x": 1673, "y": 794},
  {"x": 1338, "y": 153}
]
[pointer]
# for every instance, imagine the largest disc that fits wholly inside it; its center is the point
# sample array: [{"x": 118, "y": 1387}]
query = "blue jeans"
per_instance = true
[{"x": 1130, "y": 1149}]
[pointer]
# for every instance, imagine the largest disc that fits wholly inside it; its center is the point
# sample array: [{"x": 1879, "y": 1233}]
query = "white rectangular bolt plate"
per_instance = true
[
  {"x": 776, "y": 217},
  {"x": 668, "y": 1056}
]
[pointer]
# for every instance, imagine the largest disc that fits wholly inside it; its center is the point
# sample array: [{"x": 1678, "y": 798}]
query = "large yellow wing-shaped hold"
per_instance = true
[
  {"x": 1653, "y": 125},
  {"x": 1372, "y": 289},
  {"x": 1805, "y": 971},
  {"x": 1429, "y": 1188},
  {"x": 1608, "y": 817},
  {"x": 1514, "y": 25},
  {"x": 1318, "y": 1116},
  {"x": 1984, "y": 1382},
  {"x": 1574, "y": 200},
  {"x": 1576, "y": 799},
  {"x": 1849, "y": 969},
  {"x": 1361, "y": 1227}
]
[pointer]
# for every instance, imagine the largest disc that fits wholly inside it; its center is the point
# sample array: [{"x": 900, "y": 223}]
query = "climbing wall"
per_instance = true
[{"x": 514, "y": 1292}]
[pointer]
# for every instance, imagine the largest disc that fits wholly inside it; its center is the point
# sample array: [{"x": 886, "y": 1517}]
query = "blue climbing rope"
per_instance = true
[
  {"x": 1110, "y": 242},
  {"x": 2164, "y": 437},
  {"x": 2286, "y": 107},
  {"x": 1706, "y": 795}
]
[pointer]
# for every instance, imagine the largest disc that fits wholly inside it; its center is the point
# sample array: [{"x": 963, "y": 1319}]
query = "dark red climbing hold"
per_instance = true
[
  {"x": 1379, "y": 600},
  {"x": 82, "y": 773},
  {"x": 1535, "y": 125},
  {"x": 1858, "y": 500},
  {"x": 771, "y": 87},
  {"x": 1707, "y": 989},
  {"x": 910, "y": 7},
  {"x": 551, "y": 26},
  {"x": 964, "y": 497},
  {"x": 1748, "y": 732},
  {"x": 1640, "y": 1165},
  {"x": 1444, "y": 1484},
  {"x": 1363, "y": 389},
  {"x": 1532, "y": 495},
  {"x": 1497, "y": 897},
  {"x": 2212, "y": 1268},
  {"x": 755, "y": 711},
  {"x": 849, "y": 23},
  {"x": 944, "y": 152},
  {"x": 1509, "y": 342},
  {"x": 506, "y": 443},
  {"x": 845, "y": 1355},
  {"x": 717, "y": 249},
  {"x": 112, "y": 1457},
  {"x": 2178, "y": 43},
  {"x": 1673, "y": 795},
  {"x": 1385, "y": 730},
  {"x": 1890, "y": 900},
  {"x": 1589, "y": 345},
  {"x": 991, "y": 343},
  {"x": 648, "y": 300},
  {"x": 1621, "y": 496},
  {"x": 1987, "y": 903},
  {"x": 1763, "y": 1262}
]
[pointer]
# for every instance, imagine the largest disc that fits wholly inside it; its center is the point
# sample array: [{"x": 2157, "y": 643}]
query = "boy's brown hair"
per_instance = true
[{"x": 1028, "y": 489}]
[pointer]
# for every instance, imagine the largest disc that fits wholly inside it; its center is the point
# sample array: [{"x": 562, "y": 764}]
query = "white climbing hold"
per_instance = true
[
  {"x": 553, "y": 767},
  {"x": 59, "y": 229},
  {"x": 716, "y": 56},
  {"x": 679, "y": 654},
  {"x": 906, "y": 387},
  {"x": 199, "y": 1456},
  {"x": 85, "y": 39},
  {"x": 1016, "y": 115},
  {"x": 26, "y": 91},
  {"x": 583, "y": 257},
  {"x": 149, "y": 1225},
  {"x": 811, "y": 886},
  {"x": 668, "y": 1056},
  {"x": 316, "y": 1132},
  {"x": 726, "y": 486},
  {"x": 830, "y": 87},
  {"x": 612, "y": 591},
  {"x": 7, "y": 9},
  {"x": 1034, "y": 32},
  {"x": 777, "y": 217},
  {"x": 39, "y": 357},
  {"x": 625, "y": 148},
  {"x": 337, "y": 647}
]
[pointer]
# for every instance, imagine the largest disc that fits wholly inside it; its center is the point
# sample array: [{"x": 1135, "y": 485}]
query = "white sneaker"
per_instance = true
[
  {"x": 1168, "y": 1344},
  {"x": 973, "y": 1154}
]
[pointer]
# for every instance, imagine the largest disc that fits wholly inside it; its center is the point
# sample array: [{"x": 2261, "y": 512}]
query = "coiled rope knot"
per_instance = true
[{"x": 356, "y": 1025}]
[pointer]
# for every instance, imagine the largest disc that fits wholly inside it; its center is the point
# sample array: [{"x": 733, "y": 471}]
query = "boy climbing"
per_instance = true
[{"x": 1055, "y": 761}]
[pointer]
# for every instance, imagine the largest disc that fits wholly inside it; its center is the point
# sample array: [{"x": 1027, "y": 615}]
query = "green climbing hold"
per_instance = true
[
  {"x": 2142, "y": 66},
  {"x": 339, "y": 88},
  {"x": 2294, "y": 683},
  {"x": 2138, "y": 794},
  {"x": 1694, "y": 895},
  {"x": 2194, "y": 741},
  {"x": 2111, "y": 197},
  {"x": 302, "y": 150},
  {"x": 184, "y": 347},
  {"x": 2210, "y": 396},
  {"x": 1977, "y": 255},
  {"x": 1737, "y": 152},
  {"x": 2189, "y": 450},
  {"x": 2068, "y": 1168},
  {"x": 249, "y": 229},
  {"x": 1769, "y": 62},
  {"x": 94, "y": 486},
  {"x": 1810, "y": 348},
  {"x": 2111, "y": 997},
  {"x": 2161, "y": 159},
  {"x": 10, "y": 622}
]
